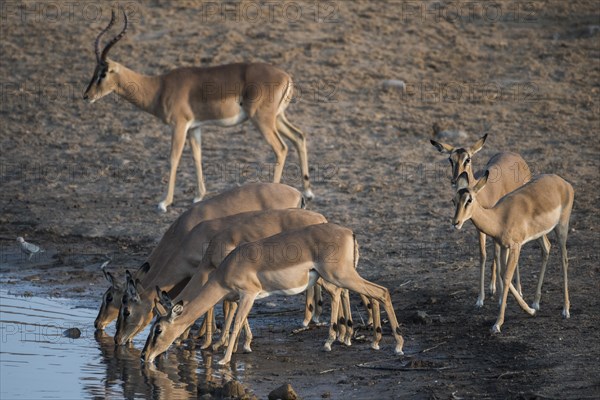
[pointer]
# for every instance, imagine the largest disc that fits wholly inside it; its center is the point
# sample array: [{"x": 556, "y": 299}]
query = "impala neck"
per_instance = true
[
  {"x": 486, "y": 220},
  {"x": 204, "y": 299},
  {"x": 140, "y": 90}
]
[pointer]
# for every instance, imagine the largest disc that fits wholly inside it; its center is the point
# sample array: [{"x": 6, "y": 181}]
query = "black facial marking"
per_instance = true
[
  {"x": 378, "y": 330},
  {"x": 463, "y": 191},
  {"x": 461, "y": 151}
]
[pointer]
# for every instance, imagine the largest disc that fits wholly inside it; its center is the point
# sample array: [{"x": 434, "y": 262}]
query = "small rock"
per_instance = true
[
  {"x": 283, "y": 392},
  {"x": 394, "y": 83},
  {"x": 72, "y": 333},
  {"x": 421, "y": 317},
  {"x": 234, "y": 390}
]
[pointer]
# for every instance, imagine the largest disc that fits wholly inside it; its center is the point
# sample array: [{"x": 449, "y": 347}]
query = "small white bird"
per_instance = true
[{"x": 29, "y": 248}]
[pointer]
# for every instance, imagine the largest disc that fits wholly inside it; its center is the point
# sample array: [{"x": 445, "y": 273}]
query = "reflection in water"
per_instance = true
[
  {"x": 37, "y": 361},
  {"x": 182, "y": 373}
]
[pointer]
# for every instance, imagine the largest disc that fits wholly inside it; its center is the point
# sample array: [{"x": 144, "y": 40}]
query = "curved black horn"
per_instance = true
[
  {"x": 115, "y": 39},
  {"x": 97, "y": 43}
]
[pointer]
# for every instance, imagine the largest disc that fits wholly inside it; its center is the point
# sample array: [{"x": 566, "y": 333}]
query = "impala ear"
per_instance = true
[
  {"x": 143, "y": 269},
  {"x": 478, "y": 145},
  {"x": 481, "y": 182},
  {"x": 163, "y": 298},
  {"x": 109, "y": 277},
  {"x": 462, "y": 182},
  {"x": 132, "y": 291},
  {"x": 158, "y": 309},
  {"x": 177, "y": 309},
  {"x": 442, "y": 147}
]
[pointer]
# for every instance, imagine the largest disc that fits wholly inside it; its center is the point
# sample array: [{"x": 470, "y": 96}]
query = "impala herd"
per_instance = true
[{"x": 257, "y": 240}]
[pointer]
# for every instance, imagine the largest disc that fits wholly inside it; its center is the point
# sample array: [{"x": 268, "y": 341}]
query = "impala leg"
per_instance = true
[
  {"x": 377, "y": 332},
  {"x": 224, "y": 339},
  {"x": 248, "y": 334},
  {"x": 369, "y": 308},
  {"x": 318, "y": 303},
  {"x": 496, "y": 269},
  {"x": 347, "y": 340},
  {"x": 310, "y": 305},
  {"x": 545, "y": 245},
  {"x": 482, "y": 259},
  {"x": 208, "y": 322},
  {"x": 518, "y": 280},
  {"x": 513, "y": 258},
  {"x": 335, "y": 293},
  {"x": 349, "y": 279},
  {"x": 266, "y": 126},
  {"x": 501, "y": 263},
  {"x": 561, "y": 233},
  {"x": 287, "y": 129},
  {"x": 195, "y": 144},
  {"x": 245, "y": 304},
  {"x": 177, "y": 144}
]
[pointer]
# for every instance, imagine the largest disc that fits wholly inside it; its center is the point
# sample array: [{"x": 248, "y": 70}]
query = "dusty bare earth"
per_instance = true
[{"x": 83, "y": 180}]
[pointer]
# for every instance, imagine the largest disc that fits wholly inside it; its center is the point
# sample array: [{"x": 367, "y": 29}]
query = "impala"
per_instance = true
[
  {"x": 186, "y": 262},
  {"x": 510, "y": 171},
  {"x": 249, "y": 197},
  {"x": 528, "y": 213},
  {"x": 287, "y": 263},
  {"x": 190, "y": 98}
]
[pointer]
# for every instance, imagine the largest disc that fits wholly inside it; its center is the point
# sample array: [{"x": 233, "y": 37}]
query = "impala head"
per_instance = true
[
  {"x": 111, "y": 302},
  {"x": 465, "y": 198},
  {"x": 165, "y": 329},
  {"x": 135, "y": 312},
  {"x": 460, "y": 158},
  {"x": 106, "y": 72}
]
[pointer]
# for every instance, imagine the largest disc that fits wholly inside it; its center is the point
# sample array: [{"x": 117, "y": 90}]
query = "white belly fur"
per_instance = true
[
  {"x": 231, "y": 121},
  {"x": 312, "y": 278}
]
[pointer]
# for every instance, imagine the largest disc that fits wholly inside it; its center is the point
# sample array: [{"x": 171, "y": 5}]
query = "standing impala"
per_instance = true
[
  {"x": 248, "y": 197},
  {"x": 286, "y": 263},
  {"x": 509, "y": 171},
  {"x": 530, "y": 212},
  {"x": 190, "y": 98}
]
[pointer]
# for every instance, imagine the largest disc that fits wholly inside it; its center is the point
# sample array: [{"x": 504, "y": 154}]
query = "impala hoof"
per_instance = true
[
  {"x": 398, "y": 350},
  {"x": 496, "y": 328},
  {"x": 308, "y": 195},
  {"x": 375, "y": 346},
  {"x": 479, "y": 303},
  {"x": 566, "y": 314},
  {"x": 223, "y": 362},
  {"x": 162, "y": 207},
  {"x": 197, "y": 199},
  {"x": 327, "y": 347},
  {"x": 536, "y": 306}
]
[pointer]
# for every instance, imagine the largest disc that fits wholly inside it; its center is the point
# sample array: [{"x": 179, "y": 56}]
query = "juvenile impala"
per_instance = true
[
  {"x": 186, "y": 262},
  {"x": 190, "y": 98},
  {"x": 509, "y": 171},
  {"x": 249, "y": 197},
  {"x": 286, "y": 263},
  {"x": 533, "y": 210}
]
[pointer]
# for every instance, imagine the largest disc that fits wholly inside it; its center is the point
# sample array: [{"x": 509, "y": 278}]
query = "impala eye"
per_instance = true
[
  {"x": 126, "y": 312},
  {"x": 469, "y": 200},
  {"x": 109, "y": 298},
  {"x": 451, "y": 162},
  {"x": 158, "y": 330},
  {"x": 467, "y": 161}
]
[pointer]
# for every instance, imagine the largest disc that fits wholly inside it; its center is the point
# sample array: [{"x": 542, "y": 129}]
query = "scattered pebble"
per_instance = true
[{"x": 72, "y": 333}]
